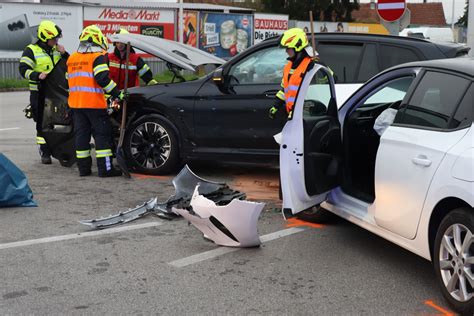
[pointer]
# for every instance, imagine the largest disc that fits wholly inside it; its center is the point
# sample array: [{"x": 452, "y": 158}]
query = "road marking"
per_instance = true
[
  {"x": 225, "y": 250},
  {"x": 443, "y": 311},
  {"x": 76, "y": 236},
  {"x": 295, "y": 222},
  {"x": 8, "y": 129}
]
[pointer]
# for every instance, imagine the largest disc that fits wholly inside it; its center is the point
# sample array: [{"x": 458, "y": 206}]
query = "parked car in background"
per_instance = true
[
  {"x": 434, "y": 34},
  {"x": 414, "y": 184},
  {"x": 224, "y": 115}
]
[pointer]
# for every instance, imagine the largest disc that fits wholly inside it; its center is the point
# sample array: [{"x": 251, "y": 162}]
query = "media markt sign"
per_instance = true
[{"x": 160, "y": 23}]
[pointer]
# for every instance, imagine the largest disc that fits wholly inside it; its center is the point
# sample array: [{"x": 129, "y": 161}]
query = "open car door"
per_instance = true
[
  {"x": 311, "y": 144},
  {"x": 58, "y": 130}
]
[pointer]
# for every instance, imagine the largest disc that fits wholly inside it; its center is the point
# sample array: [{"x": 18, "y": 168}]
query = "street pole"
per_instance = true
[
  {"x": 452, "y": 18},
  {"x": 470, "y": 27},
  {"x": 180, "y": 21}
]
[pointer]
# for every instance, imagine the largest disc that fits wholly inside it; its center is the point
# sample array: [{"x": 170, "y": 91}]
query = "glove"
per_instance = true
[
  {"x": 28, "y": 112},
  {"x": 123, "y": 96},
  {"x": 273, "y": 111}
]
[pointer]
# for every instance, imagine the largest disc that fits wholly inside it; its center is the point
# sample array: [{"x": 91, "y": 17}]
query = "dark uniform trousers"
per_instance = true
[
  {"x": 37, "y": 101},
  {"x": 97, "y": 122}
]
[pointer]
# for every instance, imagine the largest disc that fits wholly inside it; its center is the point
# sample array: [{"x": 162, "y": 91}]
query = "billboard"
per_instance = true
[
  {"x": 323, "y": 27},
  {"x": 343, "y": 27},
  {"x": 269, "y": 25},
  {"x": 19, "y": 23},
  {"x": 160, "y": 23},
  {"x": 190, "y": 30},
  {"x": 225, "y": 35}
]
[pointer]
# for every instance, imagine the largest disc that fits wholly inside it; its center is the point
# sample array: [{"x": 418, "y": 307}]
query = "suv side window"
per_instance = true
[
  {"x": 342, "y": 58},
  {"x": 394, "y": 55},
  {"x": 262, "y": 67},
  {"x": 434, "y": 101},
  {"x": 465, "y": 113},
  {"x": 369, "y": 65}
]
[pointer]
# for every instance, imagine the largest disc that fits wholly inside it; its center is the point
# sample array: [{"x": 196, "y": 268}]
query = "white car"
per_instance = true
[{"x": 414, "y": 184}]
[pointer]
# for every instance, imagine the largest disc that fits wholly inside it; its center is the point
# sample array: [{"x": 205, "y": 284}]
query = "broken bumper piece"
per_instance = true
[
  {"x": 184, "y": 183},
  {"x": 233, "y": 224}
]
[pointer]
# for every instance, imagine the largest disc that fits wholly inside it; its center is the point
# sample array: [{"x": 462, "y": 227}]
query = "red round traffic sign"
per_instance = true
[{"x": 391, "y": 10}]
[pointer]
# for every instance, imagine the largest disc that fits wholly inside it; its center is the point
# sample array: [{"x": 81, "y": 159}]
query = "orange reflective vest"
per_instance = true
[
  {"x": 84, "y": 91},
  {"x": 292, "y": 82}
]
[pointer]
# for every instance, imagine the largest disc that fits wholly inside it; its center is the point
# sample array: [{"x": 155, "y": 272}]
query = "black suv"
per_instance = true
[{"x": 224, "y": 115}]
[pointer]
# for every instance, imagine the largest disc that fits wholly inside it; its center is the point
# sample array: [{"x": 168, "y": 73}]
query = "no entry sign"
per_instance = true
[{"x": 391, "y": 10}]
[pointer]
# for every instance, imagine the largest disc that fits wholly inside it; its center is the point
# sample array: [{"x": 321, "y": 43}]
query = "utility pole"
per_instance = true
[
  {"x": 180, "y": 21},
  {"x": 470, "y": 27}
]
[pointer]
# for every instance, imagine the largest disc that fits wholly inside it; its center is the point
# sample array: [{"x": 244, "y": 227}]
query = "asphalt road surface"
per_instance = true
[{"x": 50, "y": 264}]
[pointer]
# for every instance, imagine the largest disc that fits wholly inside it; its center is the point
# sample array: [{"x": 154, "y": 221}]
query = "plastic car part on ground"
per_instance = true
[
  {"x": 184, "y": 183},
  {"x": 232, "y": 225},
  {"x": 15, "y": 190}
]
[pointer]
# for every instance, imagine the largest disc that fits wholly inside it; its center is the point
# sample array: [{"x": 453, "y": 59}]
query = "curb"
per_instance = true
[{"x": 13, "y": 89}]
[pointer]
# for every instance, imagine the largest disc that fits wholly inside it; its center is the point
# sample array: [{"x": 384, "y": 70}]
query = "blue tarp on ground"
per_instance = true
[{"x": 14, "y": 188}]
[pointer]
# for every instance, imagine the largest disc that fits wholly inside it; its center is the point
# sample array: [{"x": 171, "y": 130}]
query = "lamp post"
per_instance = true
[
  {"x": 180, "y": 21},
  {"x": 452, "y": 17},
  {"x": 470, "y": 27}
]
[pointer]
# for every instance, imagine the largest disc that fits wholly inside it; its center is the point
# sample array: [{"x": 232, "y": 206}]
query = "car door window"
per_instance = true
[
  {"x": 464, "y": 114},
  {"x": 393, "y": 55},
  {"x": 318, "y": 95},
  {"x": 369, "y": 65},
  {"x": 343, "y": 59},
  {"x": 434, "y": 101},
  {"x": 392, "y": 92},
  {"x": 262, "y": 67}
]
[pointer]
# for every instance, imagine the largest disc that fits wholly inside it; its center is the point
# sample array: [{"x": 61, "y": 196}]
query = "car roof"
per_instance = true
[
  {"x": 462, "y": 65},
  {"x": 393, "y": 39},
  {"x": 361, "y": 36}
]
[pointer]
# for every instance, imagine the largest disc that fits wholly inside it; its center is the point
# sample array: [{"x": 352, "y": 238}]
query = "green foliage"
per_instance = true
[
  {"x": 463, "y": 20},
  {"x": 323, "y": 10},
  {"x": 166, "y": 76},
  {"x": 13, "y": 83}
]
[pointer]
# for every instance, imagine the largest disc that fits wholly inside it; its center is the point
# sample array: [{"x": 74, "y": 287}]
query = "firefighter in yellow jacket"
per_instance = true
[
  {"x": 299, "y": 63},
  {"x": 88, "y": 76},
  {"x": 36, "y": 62}
]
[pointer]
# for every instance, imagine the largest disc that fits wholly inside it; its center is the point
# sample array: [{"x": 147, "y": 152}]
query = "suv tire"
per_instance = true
[{"x": 151, "y": 145}]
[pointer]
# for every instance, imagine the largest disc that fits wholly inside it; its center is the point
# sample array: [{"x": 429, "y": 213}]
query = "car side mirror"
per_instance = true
[{"x": 218, "y": 76}]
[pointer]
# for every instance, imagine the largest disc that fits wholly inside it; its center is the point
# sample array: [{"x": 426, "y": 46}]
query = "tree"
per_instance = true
[
  {"x": 463, "y": 20},
  {"x": 323, "y": 10}
]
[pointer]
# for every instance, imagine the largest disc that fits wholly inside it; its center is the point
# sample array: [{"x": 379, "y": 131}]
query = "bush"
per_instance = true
[{"x": 13, "y": 83}]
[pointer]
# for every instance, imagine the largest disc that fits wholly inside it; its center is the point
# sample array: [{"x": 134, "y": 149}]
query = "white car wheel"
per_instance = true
[{"x": 454, "y": 259}]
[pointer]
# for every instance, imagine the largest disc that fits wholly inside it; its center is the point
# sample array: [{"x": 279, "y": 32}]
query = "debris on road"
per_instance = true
[
  {"x": 184, "y": 183},
  {"x": 233, "y": 224}
]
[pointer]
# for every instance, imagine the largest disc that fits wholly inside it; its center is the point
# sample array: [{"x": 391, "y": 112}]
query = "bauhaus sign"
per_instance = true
[{"x": 391, "y": 10}]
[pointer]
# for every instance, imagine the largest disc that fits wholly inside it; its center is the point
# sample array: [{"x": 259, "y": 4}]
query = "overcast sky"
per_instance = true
[{"x": 447, "y": 5}]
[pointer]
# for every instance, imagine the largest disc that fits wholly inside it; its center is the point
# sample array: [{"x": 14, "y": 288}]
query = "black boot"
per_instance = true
[
  {"x": 106, "y": 168},
  {"x": 84, "y": 165},
  {"x": 45, "y": 154}
]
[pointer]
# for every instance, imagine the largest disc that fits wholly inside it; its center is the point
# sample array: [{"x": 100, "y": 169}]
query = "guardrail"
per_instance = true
[{"x": 9, "y": 67}]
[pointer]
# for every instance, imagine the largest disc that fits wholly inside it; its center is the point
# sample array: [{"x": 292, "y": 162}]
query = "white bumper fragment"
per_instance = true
[{"x": 232, "y": 225}]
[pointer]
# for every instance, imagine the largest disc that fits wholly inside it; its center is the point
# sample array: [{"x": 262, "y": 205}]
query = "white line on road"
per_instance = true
[
  {"x": 223, "y": 250},
  {"x": 8, "y": 129},
  {"x": 76, "y": 236}
]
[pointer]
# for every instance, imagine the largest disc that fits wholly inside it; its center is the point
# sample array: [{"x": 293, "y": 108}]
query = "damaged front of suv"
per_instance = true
[{"x": 151, "y": 139}]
